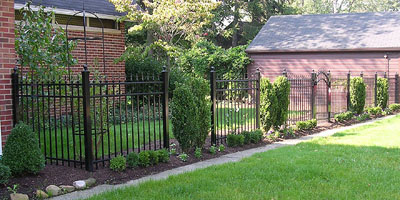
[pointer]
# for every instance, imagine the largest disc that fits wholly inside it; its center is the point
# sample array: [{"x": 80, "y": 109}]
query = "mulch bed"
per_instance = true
[{"x": 64, "y": 175}]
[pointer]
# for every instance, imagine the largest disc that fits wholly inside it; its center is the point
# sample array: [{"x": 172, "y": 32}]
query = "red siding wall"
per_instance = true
[
  {"x": 7, "y": 63},
  {"x": 272, "y": 64}
]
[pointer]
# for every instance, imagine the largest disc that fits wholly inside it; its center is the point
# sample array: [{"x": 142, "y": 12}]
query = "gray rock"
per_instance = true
[
  {"x": 79, "y": 185},
  {"x": 67, "y": 188},
  {"x": 53, "y": 190},
  {"x": 41, "y": 194},
  {"x": 90, "y": 182},
  {"x": 19, "y": 196}
]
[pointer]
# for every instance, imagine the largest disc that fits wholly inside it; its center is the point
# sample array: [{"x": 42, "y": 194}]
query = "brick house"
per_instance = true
[
  {"x": 356, "y": 42},
  {"x": 114, "y": 41}
]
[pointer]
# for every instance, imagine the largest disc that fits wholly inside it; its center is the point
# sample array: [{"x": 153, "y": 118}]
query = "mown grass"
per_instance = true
[{"x": 361, "y": 163}]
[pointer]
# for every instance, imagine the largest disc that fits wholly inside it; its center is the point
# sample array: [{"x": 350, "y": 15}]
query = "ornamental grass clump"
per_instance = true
[{"x": 21, "y": 152}]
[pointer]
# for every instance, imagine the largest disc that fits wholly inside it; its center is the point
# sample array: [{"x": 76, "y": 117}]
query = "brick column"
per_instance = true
[{"x": 7, "y": 63}]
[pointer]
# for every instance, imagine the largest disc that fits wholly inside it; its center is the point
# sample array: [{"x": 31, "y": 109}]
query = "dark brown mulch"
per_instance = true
[{"x": 64, "y": 175}]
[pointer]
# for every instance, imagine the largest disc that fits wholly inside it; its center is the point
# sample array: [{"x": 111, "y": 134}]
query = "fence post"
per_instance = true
[
  {"x": 284, "y": 73},
  {"x": 213, "y": 105},
  {"x": 396, "y": 88},
  {"x": 329, "y": 96},
  {"x": 87, "y": 122},
  {"x": 362, "y": 74},
  {"x": 165, "y": 79},
  {"x": 313, "y": 91},
  {"x": 376, "y": 89},
  {"x": 348, "y": 91},
  {"x": 258, "y": 102},
  {"x": 15, "y": 97},
  {"x": 385, "y": 75}
]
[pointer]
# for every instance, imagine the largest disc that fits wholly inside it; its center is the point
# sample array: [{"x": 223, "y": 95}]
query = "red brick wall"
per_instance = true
[
  {"x": 114, "y": 46},
  {"x": 7, "y": 63},
  {"x": 272, "y": 65}
]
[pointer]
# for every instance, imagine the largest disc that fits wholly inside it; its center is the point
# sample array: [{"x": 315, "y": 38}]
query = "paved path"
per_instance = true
[{"x": 234, "y": 157}]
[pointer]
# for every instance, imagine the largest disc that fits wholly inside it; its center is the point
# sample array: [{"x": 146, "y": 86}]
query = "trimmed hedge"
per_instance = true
[
  {"x": 357, "y": 94},
  {"x": 118, "y": 163},
  {"x": 5, "y": 173},
  {"x": 21, "y": 152},
  {"x": 382, "y": 92},
  {"x": 341, "y": 117},
  {"x": 235, "y": 140},
  {"x": 191, "y": 111},
  {"x": 132, "y": 159}
]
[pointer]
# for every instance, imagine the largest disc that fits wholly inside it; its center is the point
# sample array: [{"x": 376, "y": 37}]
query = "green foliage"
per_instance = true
[
  {"x": 138, "y": 62},
  {"x": 252, "y": 137},
  {"x": 132, "y": 159},
  {"x": 172, "y": 149},
  {"x": 229, "y": 63},
  {"x": 213, "y": 150},
  {"x": 221, "y": 148},
  {"x": 306, "y": 125},
  {"x": 341, "y": 117},
  {"x": 363, "y": 117},
  {"x": 21, "y": 152},
  {"x": 40, "y": 46},
  {"x": 118, "y": 163},
  {"x": 376, "y": 111},
  {"x": 191, "y": 111},
  {"x": 144, "y": 159},
  {"x": 274, "y": 108},
  {"x": 197, "y": 153},
  {"x": 163, "y": 155},
  {"x": 268, "y": 104},
  {"x": 357, "y": 94},
  {"x": 183, "y": 157},
  {"x": 5, "y": 173},
  {"x": 235, "y": 140},
  {"x": 394, "y": 107},
  {"x": 382, "y": 93},
  {"x": 153, "y": 157},
  {"x": 282, "y": 91}
]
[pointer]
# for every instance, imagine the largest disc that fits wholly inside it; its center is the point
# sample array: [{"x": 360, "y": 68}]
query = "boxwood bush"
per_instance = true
[
  {"x": 21, "y": 152},
  {"x": 382, "y": 94},
  {"x": 191, "y": 111},
  {"x": 376, "y": 111},
  {"x": 235, "y": 140},
  {"x": 118, "y": 163},
  {"x": 341, "y": 117},
  {"x": 394, "y": 107},
  {"x": 5, "y": 173},
  {"x": 306, "y": 125},
  {"x": 163, "y": 155},
  {"x": 144, "y": 159},
  {"x": 357, "y": 94},
  {"x": 132, "y": 159}
]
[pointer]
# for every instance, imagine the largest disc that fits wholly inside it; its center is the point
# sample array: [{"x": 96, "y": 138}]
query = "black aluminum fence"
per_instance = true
[
  {"x": 86, "y": 122},
  {"x": 321, "y": 95},
  {"x": 235, "y": 105}
]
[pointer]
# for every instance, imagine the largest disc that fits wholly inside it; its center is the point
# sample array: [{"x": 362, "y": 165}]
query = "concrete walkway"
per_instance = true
[{"x": 234, "y": 157}]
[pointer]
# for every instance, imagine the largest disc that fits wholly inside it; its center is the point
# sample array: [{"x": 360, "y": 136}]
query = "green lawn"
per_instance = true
[{"x": 362, "y": 163}]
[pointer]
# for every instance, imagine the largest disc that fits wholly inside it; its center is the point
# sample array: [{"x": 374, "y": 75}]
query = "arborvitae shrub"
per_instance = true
[
  {"x": 382, "y": 93},
  {"x": 268, "y": 104},
  {"x": 21, "y": 152},
  {"x": 282, "y": 90},
  {"x": 357, "y": 94},
  {"x": 191, "y": 111}
]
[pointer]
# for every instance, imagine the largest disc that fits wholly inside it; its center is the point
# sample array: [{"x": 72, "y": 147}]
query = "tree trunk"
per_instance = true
[{"x": 235, "y": 25}]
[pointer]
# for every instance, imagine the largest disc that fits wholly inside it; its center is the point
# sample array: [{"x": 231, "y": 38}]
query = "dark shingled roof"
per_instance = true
[
  {"x": 96, "y": 6},
  {"x": 329, "y": 32}
]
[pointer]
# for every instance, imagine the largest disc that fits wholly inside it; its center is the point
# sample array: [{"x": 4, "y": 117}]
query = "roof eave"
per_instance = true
[
  {"x": 257, "y": 51},
  {"x": 18, "y": 6}
]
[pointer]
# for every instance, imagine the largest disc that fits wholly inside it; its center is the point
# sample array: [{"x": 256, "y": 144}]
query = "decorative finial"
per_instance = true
[{"x": 85, "y": 67}]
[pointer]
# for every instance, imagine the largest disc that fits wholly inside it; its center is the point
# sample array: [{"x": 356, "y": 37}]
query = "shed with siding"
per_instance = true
[{"x": 356, "y": 42}]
